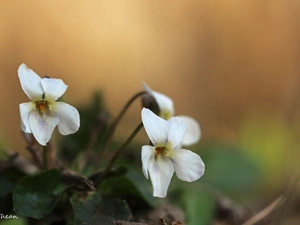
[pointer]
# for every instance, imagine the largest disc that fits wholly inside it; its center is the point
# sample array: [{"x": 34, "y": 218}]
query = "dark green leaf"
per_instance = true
[
  {"x": 8, "y": 180},
  {"x": 132, "y": 187},
  {"x": 89, "y": 208},
  {"x": 37, "y": 195}
]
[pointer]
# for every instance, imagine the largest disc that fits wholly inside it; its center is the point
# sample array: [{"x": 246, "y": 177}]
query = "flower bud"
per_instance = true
[{"x": 148, "y": 101}]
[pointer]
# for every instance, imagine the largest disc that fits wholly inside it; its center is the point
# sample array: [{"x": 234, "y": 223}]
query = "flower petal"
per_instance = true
[
  {"x": 68, "y": 115},
  {"x": 188, "y": 165},
  {"x": 192, "y": 131},
  {"x": 161, "y": 171},
  {"x": 176, "y": 131},
  {"x": 53, "y": 88},
  {"x": 147, "y": 152},
  {"x": 42, "y": 125},
  {"x": 25, "y": 109},
  {"x": 156, "y": 127},
  {"x": 30, "y": 83},
  {"x": 164, "y": 103}
]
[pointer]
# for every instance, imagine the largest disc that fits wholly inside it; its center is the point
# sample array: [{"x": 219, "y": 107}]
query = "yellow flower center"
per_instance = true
[
  {"x": 161, "y": 151},
  {"x": 165, "y": 114},
  {"x": 42, "y": 106}
]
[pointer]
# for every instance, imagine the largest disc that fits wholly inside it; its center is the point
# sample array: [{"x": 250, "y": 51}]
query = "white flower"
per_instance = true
[
  {"x": 166, "y": 111},
  {"x": 161, "y": 160},
  {"x": 42, "y": 114}
]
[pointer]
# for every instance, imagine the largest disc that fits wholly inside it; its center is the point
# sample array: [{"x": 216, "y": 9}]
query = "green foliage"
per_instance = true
[
  {"x": 66, "y": 196},
  {"x": 90, "y": 208},
  {"x": 35, "y": 196},
  {"x": 8, "y": 179},
  {"x": 133, "y": 187},
  {"x": 269, "y": 141},
  {"x": 228, "y": 170},
  {"x": 92, "y": 117},
  {"x": 19, "y": 221},
  {"x": 199, "y": 206}
]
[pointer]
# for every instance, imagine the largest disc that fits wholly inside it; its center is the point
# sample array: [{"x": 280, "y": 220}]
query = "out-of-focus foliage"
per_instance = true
[
  {"x": 19, "y": 221},
  {"x": 93, "y": 119},
  {"x": 265, "y": 140},
  {"x": 37, "y": 195},
  {"x": 78, "y": 192},
  {"x": 131, "y": 186},
  {"x": 228, "y": 173},
  {"x": 90, "y": 208},
  {"x": 228, "y": 170},
  {"x": 48, "y": 194},
  {"x": 199, "y": 206},
  {"x": 8, "y": 179}
]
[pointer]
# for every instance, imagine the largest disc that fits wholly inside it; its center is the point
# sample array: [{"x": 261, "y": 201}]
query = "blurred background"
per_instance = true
[{"x": 233, "y": 65}]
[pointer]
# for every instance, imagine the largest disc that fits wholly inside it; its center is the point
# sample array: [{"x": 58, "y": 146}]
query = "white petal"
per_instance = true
[
  {"x": 147, "y": 152},
  {"x": 25, "y": 109},
  {"x": 156, "y": 127},
  {"x": 68, "y": 115},
  {"x": 176, "y": 131},
  {"x": 165, "y": 104},
  {"x": 187, "y": 164},
  {"x": 30, "y": 83},
  {"x": 42, "y": 126},
  {"x": 161, "y": 171},
  {"x": 53, "y": 88},
  {"x": 192, "y": 131}
]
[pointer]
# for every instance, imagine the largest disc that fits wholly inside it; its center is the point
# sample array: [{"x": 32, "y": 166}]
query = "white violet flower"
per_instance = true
[
  {"x": 43, "y": 113},
  {"x": 166, "y": 107},
  {"x": 161, "y": 160}
]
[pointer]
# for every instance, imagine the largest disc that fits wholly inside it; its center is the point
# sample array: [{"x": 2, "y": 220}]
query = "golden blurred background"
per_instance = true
[{"x": 220, "y": 61}]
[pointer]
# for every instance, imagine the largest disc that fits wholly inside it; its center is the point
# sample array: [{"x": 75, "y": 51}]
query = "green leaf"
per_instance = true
[
  {"x": 199, "y": 207},
  {"x": 8, "y": 180},
  {"x": 35, "y": 196},
  {"x": 228, "y": 170},
  {"x": 89, "y": 208},
  {"x": 133, "y": 186}
]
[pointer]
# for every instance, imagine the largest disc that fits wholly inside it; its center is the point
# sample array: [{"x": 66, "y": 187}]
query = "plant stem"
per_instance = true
[
  {"x": 117, "y": 154},
  {"x": 45, "y": 158},
  {"x": 114, "y": 124},
  {"x": 93, "y": 139}
]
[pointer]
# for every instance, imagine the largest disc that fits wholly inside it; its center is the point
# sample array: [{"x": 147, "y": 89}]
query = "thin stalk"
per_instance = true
[
  {"x": 114, "y": 124},
  {"x": 93, "y": 139},
  {"x": 45, "y": 158},
  {"x": 117, "y": 154}
]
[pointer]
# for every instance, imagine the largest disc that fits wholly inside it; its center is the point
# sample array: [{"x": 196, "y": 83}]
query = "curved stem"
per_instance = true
[
  {"x": 117, "y": 154},
  {"x": 114, "y": 124}
]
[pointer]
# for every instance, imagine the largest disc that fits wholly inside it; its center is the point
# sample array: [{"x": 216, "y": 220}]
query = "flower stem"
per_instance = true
[
  {"x": 117, "y": 154},
  {"x": 114, "y": 124},
  {"x": 45, "y": 158}
]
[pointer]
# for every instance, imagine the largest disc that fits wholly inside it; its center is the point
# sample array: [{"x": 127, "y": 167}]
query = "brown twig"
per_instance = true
[
  {"x": 32, "y": 148},
  {"x": 265, "y": 212},
  {"x": 20, "y": 162}
]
